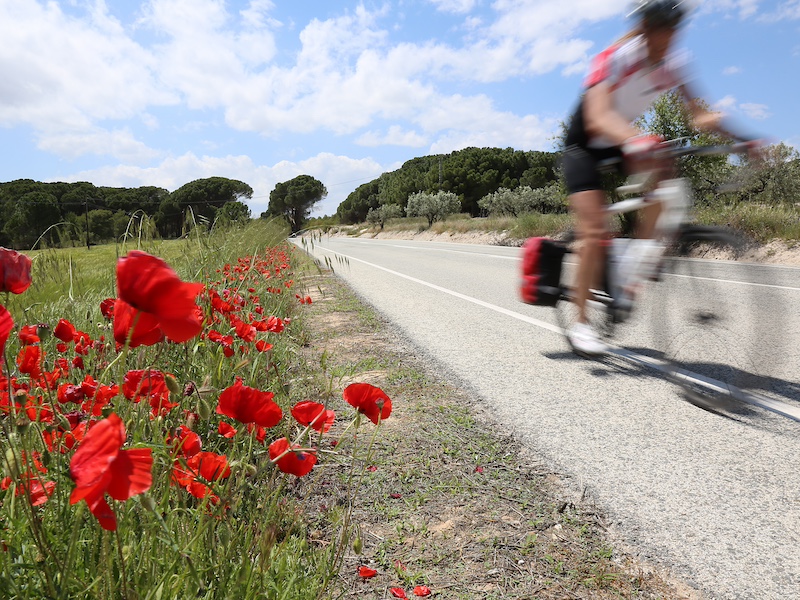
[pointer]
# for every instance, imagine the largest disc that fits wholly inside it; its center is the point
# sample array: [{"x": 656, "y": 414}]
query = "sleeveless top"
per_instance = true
[{"x": 635, "y": 84}]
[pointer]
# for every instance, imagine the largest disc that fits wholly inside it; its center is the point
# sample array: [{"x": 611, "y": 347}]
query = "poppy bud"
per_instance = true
[
  {"x": 147, "y": 502},
  {"x": 173, "y": 385},
  {"x": 250, "y": 471},
  {"x": 358, "y": 545},
  {"x": 204, "y": 410},
  {"x": 224, "y": 534},
  {"x": 12, "y": 467}
]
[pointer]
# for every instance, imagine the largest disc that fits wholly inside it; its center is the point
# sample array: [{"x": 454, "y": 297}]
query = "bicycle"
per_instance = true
[{"x": 713, "y": 347}]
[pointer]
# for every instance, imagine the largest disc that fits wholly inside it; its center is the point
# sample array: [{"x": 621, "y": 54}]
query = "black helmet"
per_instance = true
[{"x": 659, "y": 13}]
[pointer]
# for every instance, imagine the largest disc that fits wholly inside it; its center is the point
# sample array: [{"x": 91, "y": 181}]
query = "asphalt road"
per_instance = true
[{"x": 714, "y": 498}]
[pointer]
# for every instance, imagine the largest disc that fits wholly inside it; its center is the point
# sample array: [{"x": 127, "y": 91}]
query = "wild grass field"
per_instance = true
[{"x": 153, "y": 452}]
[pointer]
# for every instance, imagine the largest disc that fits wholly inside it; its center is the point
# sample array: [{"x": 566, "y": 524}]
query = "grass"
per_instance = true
[
  {"x": 758, "y": 222},
  {"x": 242, "y": 535}
]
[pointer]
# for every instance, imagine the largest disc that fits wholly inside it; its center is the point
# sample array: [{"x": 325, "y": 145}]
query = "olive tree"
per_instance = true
[
  {"x": 434, "y": 207},
  {"x": 524, "y": 199},
  {"x": 379, "y": 216}
]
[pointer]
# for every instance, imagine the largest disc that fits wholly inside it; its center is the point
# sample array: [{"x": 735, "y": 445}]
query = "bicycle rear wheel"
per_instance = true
[{"x": 723, "y": 344}]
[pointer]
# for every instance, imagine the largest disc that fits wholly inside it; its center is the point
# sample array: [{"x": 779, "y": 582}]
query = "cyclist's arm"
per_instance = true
[
  {"x": 706, "y": 120},
  {"x": 600, "y": 118}
]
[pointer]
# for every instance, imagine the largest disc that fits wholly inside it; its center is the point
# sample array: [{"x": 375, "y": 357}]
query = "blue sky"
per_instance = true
[{"x": 163, "y": 92}]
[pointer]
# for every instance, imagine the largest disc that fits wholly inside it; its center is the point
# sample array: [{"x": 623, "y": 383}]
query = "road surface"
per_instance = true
[{"x": 714, "y": 498}]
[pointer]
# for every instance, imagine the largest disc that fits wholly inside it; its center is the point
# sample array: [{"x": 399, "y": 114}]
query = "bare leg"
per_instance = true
[
  {"x": 647, "y": 222},
  {"x": 592, "y": 228}
]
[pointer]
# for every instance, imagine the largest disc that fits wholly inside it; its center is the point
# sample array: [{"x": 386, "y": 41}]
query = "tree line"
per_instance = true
[
  {"x": 470, "y": 174},
  {"x": 61, "y": 214}
]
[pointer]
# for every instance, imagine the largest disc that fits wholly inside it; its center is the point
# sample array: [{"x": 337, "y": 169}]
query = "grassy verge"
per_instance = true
[
  {"x": 449, "y": 501},
  {"x": 758, "y": 222},
  {"x": 159, "y": 516}
]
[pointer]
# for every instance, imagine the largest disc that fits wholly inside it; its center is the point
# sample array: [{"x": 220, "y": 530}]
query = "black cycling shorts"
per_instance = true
[{"x": 581, "y": 167}]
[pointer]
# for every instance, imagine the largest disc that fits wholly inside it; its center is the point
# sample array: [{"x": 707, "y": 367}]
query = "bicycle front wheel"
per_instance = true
[{"x": 723, "y": 331}]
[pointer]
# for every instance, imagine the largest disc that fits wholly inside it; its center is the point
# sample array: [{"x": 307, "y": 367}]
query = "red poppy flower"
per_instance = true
[
  {"x": 226, "y": 430},
  {"x": 313, "y": 414},
  {"x": 148, "y": 284},
  {"x": 210, "y": 466},
  {"x": 422, "y": 591},
  {"x": 29, "y": 334},
  {"x": 146, "y": 330},
  {"x": 398, "y": 592},
  {"x": 249, "y": 405},
  {"x": 138, "y": 384},
  {"x": 15, "y": 271},
  {"x": 260, "y": 432},
  {"x": 6, "y": 325},
  {"x": 185, "y": 441},
  {"x": 294, "y": 462},
  {"x": 32, "y": 486},
  {"x": 101, "y": 397},
  {"x": 206, "y": 465},
  {"x": 369, "y": 400},
  {"x": 275, "y": 325},
  {"x": 68, "y": 392},
  {"x": 263, "y": 346},
  {"x": 107, "y": 308},
  {"x": 100, "y": 466},
  {"x": 366, "y": 572},
  {"x": 64, "y": 331},
  {"x": 244, "y": 330},
  {"x": 30, "y": 483},
  {"x": 29, "y": 360}
]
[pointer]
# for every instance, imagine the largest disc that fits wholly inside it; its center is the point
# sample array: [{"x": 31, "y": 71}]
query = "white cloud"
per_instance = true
[
  {"x": 81, "y": 70},
  {"x": 349, "y": 76},
  {"x": 726, "y": 103},
  {"x": 751, "y": 110},
  {"x": 731, "y": 70},
  {"x": 759, "y": 112},
  {"x": 454, "y": 6},
  {"x": 395, "y": 136},
  {"x": 744, "y": 9},
  {"x": 119, "y": 144}
]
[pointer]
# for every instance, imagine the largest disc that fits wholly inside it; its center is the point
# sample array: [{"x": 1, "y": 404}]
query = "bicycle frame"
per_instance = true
[{"x": 630, "y": 267}]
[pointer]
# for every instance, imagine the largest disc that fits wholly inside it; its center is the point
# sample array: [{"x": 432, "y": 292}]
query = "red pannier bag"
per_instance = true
[{"x": 541, "y": 271}]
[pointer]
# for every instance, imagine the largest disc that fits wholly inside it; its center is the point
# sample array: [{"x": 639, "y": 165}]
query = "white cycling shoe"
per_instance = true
[{"x": 584, "y": 340}]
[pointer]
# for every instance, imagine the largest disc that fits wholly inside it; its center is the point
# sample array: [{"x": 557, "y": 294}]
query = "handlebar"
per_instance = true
[{"x": 672, "y": 150}]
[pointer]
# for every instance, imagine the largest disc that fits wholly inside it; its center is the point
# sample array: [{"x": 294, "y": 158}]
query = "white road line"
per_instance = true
[
  {"x": 658, "y": 365},
  {"x": 766, "y": 285},
  {"x": 494, "y": 307}
]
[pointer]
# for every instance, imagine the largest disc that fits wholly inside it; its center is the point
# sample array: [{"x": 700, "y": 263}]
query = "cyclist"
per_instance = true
[{"x": 623, "y": 81}]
